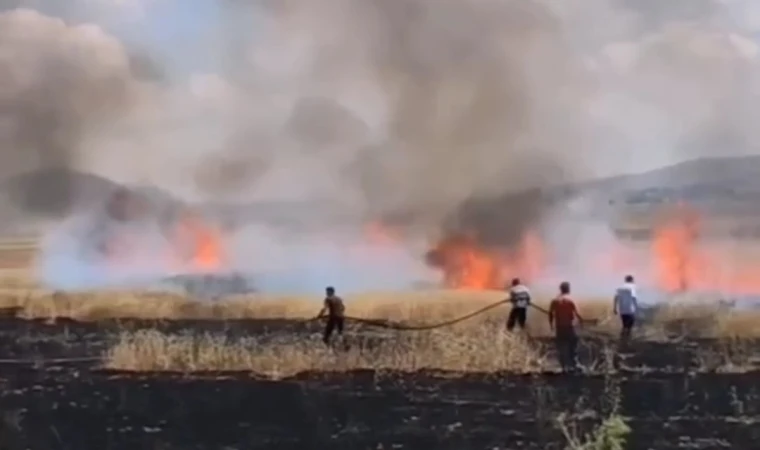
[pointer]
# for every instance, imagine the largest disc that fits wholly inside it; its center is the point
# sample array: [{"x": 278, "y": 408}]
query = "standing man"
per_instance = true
[
  {"x": 626, "y": 305},
  {"x": 519, "y": 296},
  {"x": 335, "y": 311},
  {"x": 562, "y": 315}
]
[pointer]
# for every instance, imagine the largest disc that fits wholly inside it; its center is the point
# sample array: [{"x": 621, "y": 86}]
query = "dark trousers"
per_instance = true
[
  {"x": 566, "y": 341},
  {"x": 517, "y": 316},
  {"x": 333, "y": 324},
  {"x": 627, "y": 321}
]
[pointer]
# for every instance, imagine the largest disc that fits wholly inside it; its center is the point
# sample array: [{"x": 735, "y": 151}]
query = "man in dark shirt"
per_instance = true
[
  {"x": 519, "y": 296},
  {"x": 562, "y": 317},
  {"x": 335, "y": 311}
]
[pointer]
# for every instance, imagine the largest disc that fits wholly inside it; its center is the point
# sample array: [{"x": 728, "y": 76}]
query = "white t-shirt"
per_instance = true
[
  {"x": 625, "y": 299},
  {"x": 520, "y": 296}
]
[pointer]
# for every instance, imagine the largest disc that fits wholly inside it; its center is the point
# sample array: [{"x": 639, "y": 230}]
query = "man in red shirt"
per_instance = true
[{"x": 562, "y": 317}]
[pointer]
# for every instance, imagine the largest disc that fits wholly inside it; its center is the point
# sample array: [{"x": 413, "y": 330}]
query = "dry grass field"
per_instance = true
[
  {"x": 479, "y": 344},
  {"x": 167, "y": 366}
]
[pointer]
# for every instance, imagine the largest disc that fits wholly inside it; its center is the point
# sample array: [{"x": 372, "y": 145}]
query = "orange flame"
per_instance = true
[
  {"x": 468, "y": 265},
  {"x": 674, "y": 252},
  {"x": 680, "y": 258},
  {"x": 198, "y": 243},
  {"x": 380, "y": 234},
  {"x": 684, "y": 261},
  {"x": 204, "y": 241}
]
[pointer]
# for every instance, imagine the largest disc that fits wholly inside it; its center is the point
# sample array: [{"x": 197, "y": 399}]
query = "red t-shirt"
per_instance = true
[{"x": 563, "y": 310}]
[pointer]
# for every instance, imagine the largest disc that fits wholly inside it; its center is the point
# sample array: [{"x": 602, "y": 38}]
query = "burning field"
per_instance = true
[
  {"x": 161, "y": 382},
  {"x": 135, "y": 243},
  {"x": 138, "y": 367},
  {"x": 188, "y": 208},
  {"x": 103, "y": 357},
  {"x": 116, "y": 334}
]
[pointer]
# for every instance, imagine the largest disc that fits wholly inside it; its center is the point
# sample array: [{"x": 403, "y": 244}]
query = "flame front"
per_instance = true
[
  {"x": 678, "y": 258},
  {"x": 466, "y": 264},
  {"x": 674, "y": 250},
  {"x": 685, "y": 260},
  {"x": 203, "y": 242}
]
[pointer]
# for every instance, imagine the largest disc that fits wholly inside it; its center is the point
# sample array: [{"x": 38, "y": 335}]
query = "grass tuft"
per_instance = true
[{"x": 460, "y": 350}]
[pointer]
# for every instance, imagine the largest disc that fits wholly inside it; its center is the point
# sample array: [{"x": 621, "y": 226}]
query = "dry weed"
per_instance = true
[
  {"x": 480, "y": 344},
  {"x": 705, "y": 318},
  {"x": 459, "y": 349},
  {"x": 476, "y": 345}
]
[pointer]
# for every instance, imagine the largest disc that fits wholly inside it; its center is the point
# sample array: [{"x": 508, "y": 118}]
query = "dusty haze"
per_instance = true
[{"x": 424, "y": 111}]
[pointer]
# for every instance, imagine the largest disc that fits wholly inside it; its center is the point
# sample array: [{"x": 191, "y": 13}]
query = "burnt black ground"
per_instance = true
[{"x": 77, "y": 406}]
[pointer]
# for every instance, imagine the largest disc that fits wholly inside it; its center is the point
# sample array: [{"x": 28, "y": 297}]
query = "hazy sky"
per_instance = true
[
  {"x": 610, "y": 86},
  {"x": 366, "y": 109},
  {"x": 177, "y": 32}
]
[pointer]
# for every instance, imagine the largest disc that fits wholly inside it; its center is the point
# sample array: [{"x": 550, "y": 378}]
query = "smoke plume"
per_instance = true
[
  {"x": 58, "y": 84},
  {"x": 439, "y": 117},
  {"x": 419, "y": 110},
  {"x": 407, "y": 110}
]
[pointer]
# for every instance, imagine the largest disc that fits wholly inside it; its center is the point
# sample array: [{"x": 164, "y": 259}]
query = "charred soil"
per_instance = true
[{"x": 666, "y": 393}]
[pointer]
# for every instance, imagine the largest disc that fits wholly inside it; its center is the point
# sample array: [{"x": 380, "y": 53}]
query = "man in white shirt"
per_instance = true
[
  {"x": 519, "y": 296},
  {"x": 626, "y": 305}
]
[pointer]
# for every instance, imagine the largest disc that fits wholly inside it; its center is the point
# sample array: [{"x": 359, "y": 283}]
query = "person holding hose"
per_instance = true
[
  {"x": 562, "y": 317},
  {"x": 519, "y": 296},
  {"x": 335, "y": 311}
]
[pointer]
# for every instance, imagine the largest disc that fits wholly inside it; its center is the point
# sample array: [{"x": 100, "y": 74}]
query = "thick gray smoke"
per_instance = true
[
  {"x": 408, "y": 110},
  {"x": 58, "y": 84},
  {"x": 469, "y": 99},
  {"x": 434, "y": 114}
]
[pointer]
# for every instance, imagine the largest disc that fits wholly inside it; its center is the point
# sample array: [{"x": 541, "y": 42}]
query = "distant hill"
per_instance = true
[
  {"x": 708, "y": 182},
  {"x": 30, "y": 201},
  {"x": 730, "y": 186},
  {"x": 724, "y": 191},
  {"x": 56, "y": 192},
  {"x": 735, "y": 178},
  {"x": 739, "y": 168}
]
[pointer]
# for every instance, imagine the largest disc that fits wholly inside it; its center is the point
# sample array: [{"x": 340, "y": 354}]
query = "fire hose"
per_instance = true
[
  {"x": 381, "y": 323},
  {"x": 403, "y": 327}
]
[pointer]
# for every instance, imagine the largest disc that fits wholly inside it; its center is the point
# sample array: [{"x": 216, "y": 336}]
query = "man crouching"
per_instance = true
[{"x": 335, "y": 311}]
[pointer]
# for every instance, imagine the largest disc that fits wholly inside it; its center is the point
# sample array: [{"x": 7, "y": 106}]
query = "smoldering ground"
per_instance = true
[{"x": 427, "y": 114}]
